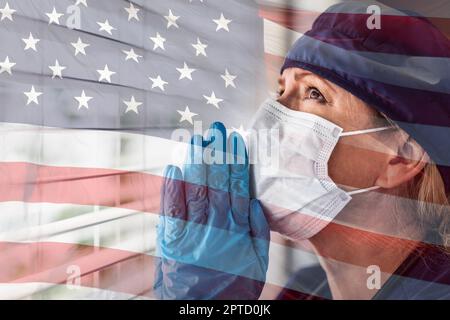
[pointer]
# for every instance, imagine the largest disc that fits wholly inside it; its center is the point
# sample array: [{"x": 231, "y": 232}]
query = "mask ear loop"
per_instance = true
[
  {"x": 350, "y": 193},
  {"x": 364, "y": 131}
]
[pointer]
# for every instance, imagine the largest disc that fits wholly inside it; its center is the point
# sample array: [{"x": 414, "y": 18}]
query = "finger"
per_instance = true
[
  {"x": 260, "y": 231},
  {"x": 161, "y": 202},
  {"x": 217, "y": 173},
  {"x": 158, "y": 282},
  {"x": 159, "y": 277},
  {"x": 215, "y": 157},
  {"x": 174, "y": 203},
  {"x": 195, "y": 182},
  {"x": 239, "y": 179}
]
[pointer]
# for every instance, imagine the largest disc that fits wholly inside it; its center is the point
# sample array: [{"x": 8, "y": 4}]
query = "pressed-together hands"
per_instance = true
[{"x": 212, "y": 239}]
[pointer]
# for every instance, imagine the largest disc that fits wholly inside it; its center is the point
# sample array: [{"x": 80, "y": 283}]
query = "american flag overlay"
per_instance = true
[
  {"x": 92, "y": 94},
  {"x": 107, "y": 81}
]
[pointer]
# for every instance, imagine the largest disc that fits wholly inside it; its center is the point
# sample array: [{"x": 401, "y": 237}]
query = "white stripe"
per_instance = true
[
  {"x": 139, "y": 227},
  {"x": 307, "y": 5},
  {"x": 88, "y": 148},
  {"x": 278, "y": 39},
  {"x": 99, "y": 149},
  {"x": 48, "y": 291}
]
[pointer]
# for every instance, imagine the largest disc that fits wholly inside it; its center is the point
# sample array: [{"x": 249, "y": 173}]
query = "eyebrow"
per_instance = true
[{"x": 317, "y": 78}]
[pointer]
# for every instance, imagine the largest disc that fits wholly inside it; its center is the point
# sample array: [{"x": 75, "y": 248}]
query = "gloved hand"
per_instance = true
[{"x": 212, "y": 240}]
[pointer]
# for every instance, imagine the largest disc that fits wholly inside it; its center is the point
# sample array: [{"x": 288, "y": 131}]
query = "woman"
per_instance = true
[{"x": 363, "y": 173}]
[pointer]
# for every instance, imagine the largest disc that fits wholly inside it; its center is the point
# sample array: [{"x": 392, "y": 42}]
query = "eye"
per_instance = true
[{"x": 314, "y": 94}]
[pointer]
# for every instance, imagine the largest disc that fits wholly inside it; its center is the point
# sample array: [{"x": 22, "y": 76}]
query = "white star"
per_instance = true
[
  {"x": 54, "y": 16},
  {"x": 222, "y": 23},
  {"x": 132, "y": 105},
  {"x": 229, "y": 79},
  {"x": 131, "y": 55},
  {"x": 105, "y": 74},
  {"x": 30, "y": 43},
  {"x": 185, "y": 72},
  {"x": 105, "y": 26},
  {"x": 171, "y": 20},
  {"x": 158, "y": 82},
  {"x": 57, "y": 70},
  {"x": 158, "y": 41},
  {"x": 6, "y": 66},
  {"x": 80, "y": 46},
  {"x": 200, "y": 48},
  {"x": 32, "y": 96},
  {"x": 81, "y": 2},
  {"x": 83, "y": 101},
  {"x": 213, "y": 100},
  {"x": 7, "y": 12},
  {"x": 187, "y": 115},
  {"x": 132, "y": 12}
]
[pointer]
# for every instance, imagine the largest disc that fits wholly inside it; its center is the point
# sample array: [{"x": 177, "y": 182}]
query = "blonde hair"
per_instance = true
[{"x": 432, "y": 203}]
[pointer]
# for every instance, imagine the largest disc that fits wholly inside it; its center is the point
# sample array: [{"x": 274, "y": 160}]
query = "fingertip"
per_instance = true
[
  {"x": 235, "y": 138},
  {"x": 237, "y": 149},
  {"x": 218, "y": 125},
  {"x": 216, "y": 128},
  {"x": 195, "y": 153},
  {"x": 173, "y": 173},
  {"x": 166, "y": 171},
  {"x": 236, "y": 135},
  {"x": 216, "y": 144}
]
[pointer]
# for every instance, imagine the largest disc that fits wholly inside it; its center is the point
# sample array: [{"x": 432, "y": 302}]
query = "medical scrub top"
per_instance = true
[{"x": 423, "y": 275}]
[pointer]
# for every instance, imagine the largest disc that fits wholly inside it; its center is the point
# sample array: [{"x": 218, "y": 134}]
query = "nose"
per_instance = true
[
  {"x": 289, "y": 89},
  {"x": 289, "y": 98}
]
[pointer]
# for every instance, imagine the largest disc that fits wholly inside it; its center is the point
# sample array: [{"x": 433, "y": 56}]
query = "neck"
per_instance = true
[{"x": 352, "y": 255}]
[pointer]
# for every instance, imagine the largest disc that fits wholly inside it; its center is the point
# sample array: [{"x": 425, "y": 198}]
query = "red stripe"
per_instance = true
[
  {"x": 141, "y": 192},
  {"x": 403, "y": 30},
  {"x": 118, "y": 270},
  {"x": 84, "y": 186},
  {"x": 49, "y": 263}
]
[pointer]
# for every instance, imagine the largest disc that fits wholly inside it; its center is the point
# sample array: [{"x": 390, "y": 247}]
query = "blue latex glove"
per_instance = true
[{"x": 213, "y": 241}]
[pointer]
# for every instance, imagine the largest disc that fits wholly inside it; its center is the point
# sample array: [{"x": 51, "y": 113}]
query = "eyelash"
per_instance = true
[{"x": 320, "y": 100}]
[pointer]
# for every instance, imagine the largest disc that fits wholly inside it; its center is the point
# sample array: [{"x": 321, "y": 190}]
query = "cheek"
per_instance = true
[{"x": 354, "y": 166}]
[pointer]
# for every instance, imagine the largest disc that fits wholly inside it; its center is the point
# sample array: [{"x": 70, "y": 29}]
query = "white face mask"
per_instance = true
[{"x": 298, "y": 196}]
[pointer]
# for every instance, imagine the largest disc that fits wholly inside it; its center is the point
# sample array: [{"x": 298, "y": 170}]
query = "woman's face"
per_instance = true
[{"x": 356, "y": 161}]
